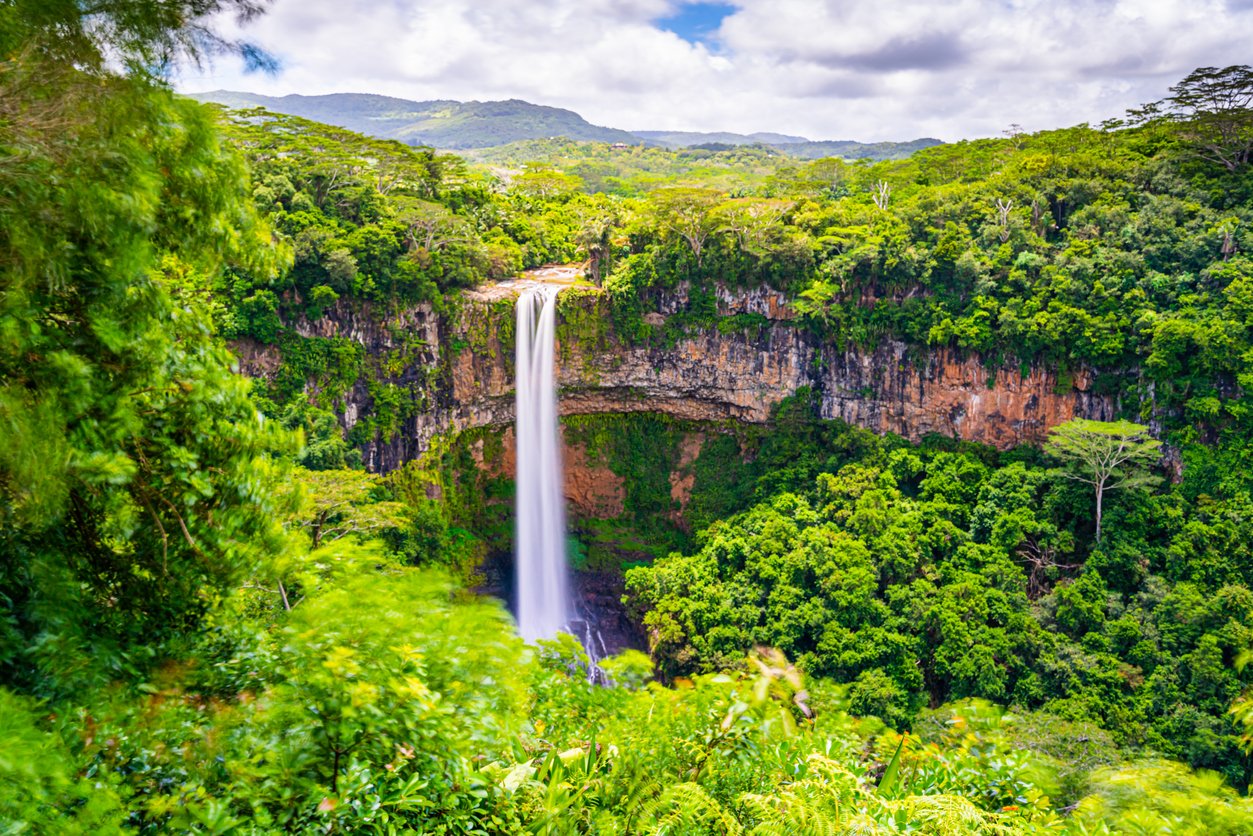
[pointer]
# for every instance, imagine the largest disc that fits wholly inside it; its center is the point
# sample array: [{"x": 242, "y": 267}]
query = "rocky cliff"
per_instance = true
[{"x": 458, "y": 369}]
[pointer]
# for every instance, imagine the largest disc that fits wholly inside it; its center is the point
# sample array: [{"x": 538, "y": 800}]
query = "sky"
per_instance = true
[{"x": 865, "y": 70}]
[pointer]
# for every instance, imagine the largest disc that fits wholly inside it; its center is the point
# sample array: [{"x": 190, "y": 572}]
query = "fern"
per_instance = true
[
  {"x": 688, "y": 810},
  {"x": 950, "y": 815},
  {"x": 787, "y": 815}
]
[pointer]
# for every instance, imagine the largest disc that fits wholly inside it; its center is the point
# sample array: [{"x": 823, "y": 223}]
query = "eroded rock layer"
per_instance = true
[{"x": 461, "y": 374}]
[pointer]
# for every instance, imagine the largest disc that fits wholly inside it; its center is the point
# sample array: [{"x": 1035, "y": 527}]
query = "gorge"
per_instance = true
[{"x": 705, "y": 382}]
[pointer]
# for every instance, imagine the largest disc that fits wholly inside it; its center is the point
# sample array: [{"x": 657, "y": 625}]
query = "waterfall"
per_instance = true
[{"x": 540, "y": 535}]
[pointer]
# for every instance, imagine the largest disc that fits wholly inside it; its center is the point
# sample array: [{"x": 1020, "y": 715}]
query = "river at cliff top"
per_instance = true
[{"x": 561, "y": 275}]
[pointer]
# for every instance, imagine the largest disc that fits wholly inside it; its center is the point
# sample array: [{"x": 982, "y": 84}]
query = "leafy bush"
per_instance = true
[{"x": 41, "y": 787}]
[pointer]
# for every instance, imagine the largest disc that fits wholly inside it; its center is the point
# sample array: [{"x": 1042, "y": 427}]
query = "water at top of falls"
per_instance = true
[{"x": 540, "y": 534}]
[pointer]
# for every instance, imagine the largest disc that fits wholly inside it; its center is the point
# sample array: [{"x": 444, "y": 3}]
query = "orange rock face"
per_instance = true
[
  {"x": 592, "y": 490},
  {"x": 955, "y": 396},
  {"x": 683, "y": 477}
]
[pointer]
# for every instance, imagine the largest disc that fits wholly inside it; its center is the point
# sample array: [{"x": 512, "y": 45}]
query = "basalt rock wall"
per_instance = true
[{"x": 458, "y": 368}]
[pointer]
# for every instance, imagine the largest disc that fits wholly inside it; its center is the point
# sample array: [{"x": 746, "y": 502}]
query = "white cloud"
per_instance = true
[{"x": 840, "y": 69}]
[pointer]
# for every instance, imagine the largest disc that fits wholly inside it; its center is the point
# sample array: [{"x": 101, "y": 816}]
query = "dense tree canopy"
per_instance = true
[{"x": 923, "y": 576}]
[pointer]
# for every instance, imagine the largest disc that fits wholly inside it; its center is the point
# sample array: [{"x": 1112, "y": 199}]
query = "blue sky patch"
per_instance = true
[{"x": 696, "y": 22}]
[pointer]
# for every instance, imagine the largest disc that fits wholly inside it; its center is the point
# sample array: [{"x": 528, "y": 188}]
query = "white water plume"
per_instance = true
[{"x": 540, "y": 535}]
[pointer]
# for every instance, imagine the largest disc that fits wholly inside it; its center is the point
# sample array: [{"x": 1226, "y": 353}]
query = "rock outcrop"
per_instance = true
[{"x": 460, "y": 370}]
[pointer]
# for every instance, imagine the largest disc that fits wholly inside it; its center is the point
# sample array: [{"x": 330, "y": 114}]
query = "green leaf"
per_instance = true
[{"x": 892, "y": 774}]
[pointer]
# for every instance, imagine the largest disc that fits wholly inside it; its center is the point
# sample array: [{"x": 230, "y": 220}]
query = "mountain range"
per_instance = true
[{"x": 456, "y": 126}]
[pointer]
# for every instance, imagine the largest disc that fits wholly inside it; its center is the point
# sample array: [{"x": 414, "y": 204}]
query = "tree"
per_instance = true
[
  {"x": 595, "y": 240},
  {"x": 136, "y": 482},
  {"x": 882, "y": 192},
  {"x": 753, "y": 220},
  {"x": 143, "y": 35},
  {"x": 688, "y": 213},
  {"x": 339, "y": 503},
  {"x": 1215, "y": 110},
  {"x": 430, "y": 227},
  {"x": 1106, "y": 455},
  {"x": 544, "y": 183}
]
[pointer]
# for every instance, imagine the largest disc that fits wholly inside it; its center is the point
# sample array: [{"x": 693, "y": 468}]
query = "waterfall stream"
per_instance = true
[
  {"x": 540, "y": 536},
  {"x": 545, "y": 605}
]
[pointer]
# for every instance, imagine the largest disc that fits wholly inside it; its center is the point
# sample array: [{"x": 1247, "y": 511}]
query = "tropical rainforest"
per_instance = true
[{"x": 214, "y": 618}]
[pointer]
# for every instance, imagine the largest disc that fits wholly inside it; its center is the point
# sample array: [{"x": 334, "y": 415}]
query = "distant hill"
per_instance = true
[
  {"x": 858, "y": 150},
  {"x": 460, "y": 126},
  {"x": 688, "y": 139},
  {"x": 795, "y": 146},
  {"x": 447, "y": 125}
]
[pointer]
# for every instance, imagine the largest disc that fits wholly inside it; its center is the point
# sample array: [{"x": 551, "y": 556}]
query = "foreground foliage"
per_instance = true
[
  {"x": 383, "y": 703},
  {"x": 136, "y": 467}
]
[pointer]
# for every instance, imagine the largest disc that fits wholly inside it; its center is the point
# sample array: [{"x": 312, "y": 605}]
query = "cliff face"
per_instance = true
[
  {"x": 460, "y": 371},
  {"x": 592, "y": 489}
]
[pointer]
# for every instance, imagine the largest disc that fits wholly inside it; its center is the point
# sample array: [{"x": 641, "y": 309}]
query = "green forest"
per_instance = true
[{"x": 216, "y": 618}]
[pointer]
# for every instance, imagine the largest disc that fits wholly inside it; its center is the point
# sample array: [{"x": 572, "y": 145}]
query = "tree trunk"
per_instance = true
[{"x": 1100, "y": 492}]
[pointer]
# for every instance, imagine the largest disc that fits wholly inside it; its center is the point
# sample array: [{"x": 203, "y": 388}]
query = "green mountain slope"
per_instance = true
[{"x": 443, "y": 124}]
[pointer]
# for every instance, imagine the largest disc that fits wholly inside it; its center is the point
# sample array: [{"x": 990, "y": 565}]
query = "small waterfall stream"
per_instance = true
[{"x": 540, "y": 536}]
